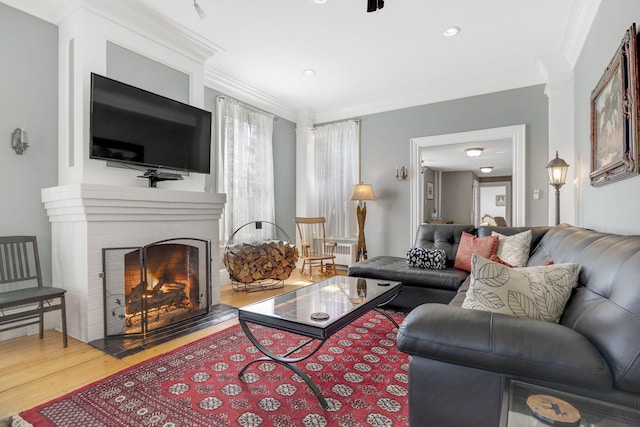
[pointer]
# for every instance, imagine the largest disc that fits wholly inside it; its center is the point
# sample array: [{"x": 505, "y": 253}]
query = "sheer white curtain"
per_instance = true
[
  {"x": 247, "y": 164},
  {"x": 336, "y": 166}
]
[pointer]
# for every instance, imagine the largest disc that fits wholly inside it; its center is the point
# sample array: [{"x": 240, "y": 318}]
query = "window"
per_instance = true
[
  {"x": 336, "y": 170},
  {"x": 246, "y": 164}
]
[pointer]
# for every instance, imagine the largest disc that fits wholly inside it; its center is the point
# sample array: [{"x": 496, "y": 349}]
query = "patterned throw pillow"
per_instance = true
[
  {"x": 514, "y": 249},
  {"x": 469, "y": 245},
  {"x": 539, "y": 292},
  {"x": 427, "y": 258}
]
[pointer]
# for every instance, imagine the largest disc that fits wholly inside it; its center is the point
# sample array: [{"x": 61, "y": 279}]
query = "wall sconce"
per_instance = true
[
  {"x": 19, "y": 140},
  {"x": 402, "y": 173}
]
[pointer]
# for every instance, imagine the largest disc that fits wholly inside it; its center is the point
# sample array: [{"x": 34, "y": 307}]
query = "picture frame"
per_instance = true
[
  {"x": 500, "y": 199},
  {"x": 429, "y": 190},
  {"x": 614, "y": 116}
]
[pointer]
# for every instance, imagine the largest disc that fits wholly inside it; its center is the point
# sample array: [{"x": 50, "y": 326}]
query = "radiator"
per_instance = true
[{"x": 345, "y": 252}]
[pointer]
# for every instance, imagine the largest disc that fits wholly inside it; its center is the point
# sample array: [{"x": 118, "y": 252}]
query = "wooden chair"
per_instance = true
[
  {"x": 500, "y": 221},
  {"x": 316, "y": 250},
  {"x": 22, "y": 294}
]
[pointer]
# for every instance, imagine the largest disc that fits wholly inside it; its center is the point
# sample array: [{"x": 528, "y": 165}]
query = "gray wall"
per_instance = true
[
  {"x": 613, "y": 207},
  {"x": 28, "y": 96},
  {"x": 429, "y": 205},
  {"x": 385, "y": 144},
  {"x": 284, "y": 165},
  {"x": 129, "y": 67},
  {"x": 457, "y": 197}
]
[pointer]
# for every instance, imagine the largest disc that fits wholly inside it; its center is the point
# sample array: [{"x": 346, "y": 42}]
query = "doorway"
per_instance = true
[{"x": 516, "y": 134}]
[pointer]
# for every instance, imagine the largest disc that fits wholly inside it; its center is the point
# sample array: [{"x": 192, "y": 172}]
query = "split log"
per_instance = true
[{"x": 268, "y": 260}]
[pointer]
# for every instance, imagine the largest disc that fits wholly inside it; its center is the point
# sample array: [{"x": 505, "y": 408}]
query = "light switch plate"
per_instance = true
[{"x": 536, "y": 194}]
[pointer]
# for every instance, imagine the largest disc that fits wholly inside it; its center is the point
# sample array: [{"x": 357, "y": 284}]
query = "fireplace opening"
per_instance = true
[{"x": 155, "y": 286}]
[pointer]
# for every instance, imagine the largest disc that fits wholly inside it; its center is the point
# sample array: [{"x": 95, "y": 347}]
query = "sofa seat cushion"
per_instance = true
[
  {"x": 396, "y": 268},
  {"x": 514, "y": 346}
]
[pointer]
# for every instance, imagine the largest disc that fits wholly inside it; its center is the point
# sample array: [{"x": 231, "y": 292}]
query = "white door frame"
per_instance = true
[{"x": 516, "y": 133}]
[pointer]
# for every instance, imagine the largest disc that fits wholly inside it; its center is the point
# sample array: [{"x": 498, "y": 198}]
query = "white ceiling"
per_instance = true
[
  {"x": 372, "y": 62},
  {"x": 452, "y": 157}
]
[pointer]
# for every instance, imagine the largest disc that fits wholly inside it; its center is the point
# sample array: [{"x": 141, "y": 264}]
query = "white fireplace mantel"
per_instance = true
[{"x": 86, "y": 218}]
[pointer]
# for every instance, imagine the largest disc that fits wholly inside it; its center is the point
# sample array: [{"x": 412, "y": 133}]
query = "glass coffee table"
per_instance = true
[
  {"x": 316, "y": 311},
  {"x": 594, "y": 413}
]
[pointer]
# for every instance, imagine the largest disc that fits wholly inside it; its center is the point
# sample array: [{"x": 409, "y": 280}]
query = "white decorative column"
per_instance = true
[
  {"x": 85, "y": 218},
  {"x": 560, "y": 91}
]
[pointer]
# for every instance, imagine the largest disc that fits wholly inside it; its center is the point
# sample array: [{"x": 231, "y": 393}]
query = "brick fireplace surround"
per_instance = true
[{"x": 85, "y": 218}]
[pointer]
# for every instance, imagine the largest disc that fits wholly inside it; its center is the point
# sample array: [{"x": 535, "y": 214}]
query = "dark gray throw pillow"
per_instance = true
[{"x": 427, "y": 258}]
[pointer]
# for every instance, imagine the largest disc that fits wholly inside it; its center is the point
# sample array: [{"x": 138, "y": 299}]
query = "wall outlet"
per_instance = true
[{"x": 536, "y": 194}]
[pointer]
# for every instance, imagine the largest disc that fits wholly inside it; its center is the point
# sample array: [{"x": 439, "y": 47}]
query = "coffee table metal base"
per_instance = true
[{"x": 285, "y": 360}]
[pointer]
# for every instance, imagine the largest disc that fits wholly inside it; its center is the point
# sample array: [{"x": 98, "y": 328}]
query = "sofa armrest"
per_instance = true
[{"x": 504, "y": 344}]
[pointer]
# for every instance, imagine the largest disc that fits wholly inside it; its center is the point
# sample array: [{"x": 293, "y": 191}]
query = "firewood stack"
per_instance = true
[{"x": 268, "y": 260}]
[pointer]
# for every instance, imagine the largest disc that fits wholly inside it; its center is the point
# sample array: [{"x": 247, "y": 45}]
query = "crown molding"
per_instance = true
[
  {"x": 581, "y": 17},
  {"x": 131, "y": 14},
  {"x": 530, "y": 76},
  {"x": 229, "y": 86}
]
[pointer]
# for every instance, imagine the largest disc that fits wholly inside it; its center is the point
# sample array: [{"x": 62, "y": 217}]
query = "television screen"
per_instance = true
[{"x": 134, "y": 126}]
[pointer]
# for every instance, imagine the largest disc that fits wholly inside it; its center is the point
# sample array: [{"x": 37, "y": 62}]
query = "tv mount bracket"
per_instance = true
[{"x": 154, "y": 176}]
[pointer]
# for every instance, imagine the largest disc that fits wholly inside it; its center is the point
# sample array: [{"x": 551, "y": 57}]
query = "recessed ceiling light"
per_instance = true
[
  {"x": 309, "y": 72},
  {"x": 320, "y": 1},
  {"x": 451, "y": 31},
  {"x": 486, "y": 169},
  {"x": 474, "y": 152}
]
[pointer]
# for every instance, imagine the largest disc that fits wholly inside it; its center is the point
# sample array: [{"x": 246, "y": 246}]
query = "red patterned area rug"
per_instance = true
[{"x": 359, "y": 370}]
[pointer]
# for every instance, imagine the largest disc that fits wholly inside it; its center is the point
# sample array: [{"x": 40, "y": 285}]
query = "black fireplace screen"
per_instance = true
[{"x": 155, "y": 286}]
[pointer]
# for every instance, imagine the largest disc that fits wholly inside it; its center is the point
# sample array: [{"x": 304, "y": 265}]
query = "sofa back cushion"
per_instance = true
[
  {"x": 441, "y": 236},
  {"x": 605, "y": 307},
  {"x": 536, "y": 233}
]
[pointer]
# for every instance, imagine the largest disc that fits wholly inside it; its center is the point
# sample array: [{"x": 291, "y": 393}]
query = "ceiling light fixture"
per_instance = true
[
  {"x": 201, "y": 13},
  {"x": 486, "y": 169},
  {"x": 320, "y": 1},
  {"x": 374, "y": 5},
  {"x": 474, "y": 152},
  {"x": 309, "y": 72},
  {"x": 451, "y": 31}
]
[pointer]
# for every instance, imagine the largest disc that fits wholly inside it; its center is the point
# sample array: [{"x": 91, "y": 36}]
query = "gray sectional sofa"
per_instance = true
[
  {"x": 462, "y": 360},
  {"x": 422, "y": 285}
]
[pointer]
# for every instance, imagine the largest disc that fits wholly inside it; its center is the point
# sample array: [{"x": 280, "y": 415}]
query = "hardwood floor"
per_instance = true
[{"x": 34, "y": 371}]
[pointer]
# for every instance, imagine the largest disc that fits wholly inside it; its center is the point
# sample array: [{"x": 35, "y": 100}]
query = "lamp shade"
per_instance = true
[
  {"x": 363, "y": 192},
  {"x": 557, "y": 169}
]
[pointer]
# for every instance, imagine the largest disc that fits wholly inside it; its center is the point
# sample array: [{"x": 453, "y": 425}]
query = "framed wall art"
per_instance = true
[
  {"x": 500, "y": 199},
  {"x": 429, "y": 190},
  {"x": 614, "y": 116}
]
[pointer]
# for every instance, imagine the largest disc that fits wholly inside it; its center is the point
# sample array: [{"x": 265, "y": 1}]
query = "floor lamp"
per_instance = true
[
  {"x": 362, "y": 193},
  {"x": 557, "y": 169}
]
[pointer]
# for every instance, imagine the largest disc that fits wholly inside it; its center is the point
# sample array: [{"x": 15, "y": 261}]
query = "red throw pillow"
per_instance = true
[
  {"x": 469, "y": 245},
  {"x": 496, "y": 258}
]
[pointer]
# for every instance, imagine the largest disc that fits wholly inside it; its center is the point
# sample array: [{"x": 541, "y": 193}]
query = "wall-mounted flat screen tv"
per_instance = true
[{"x": 133, "y": 126}]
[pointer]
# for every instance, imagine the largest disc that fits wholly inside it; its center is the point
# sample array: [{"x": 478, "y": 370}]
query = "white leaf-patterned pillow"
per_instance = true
[
  {"x": 514, "y": 249},
  {"x": 539, "y": 292}
]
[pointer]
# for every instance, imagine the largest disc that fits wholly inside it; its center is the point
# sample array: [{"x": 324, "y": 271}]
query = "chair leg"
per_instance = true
[
  {"x": 41, "y": 319},
  {"x": 63, "y": 315}
]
